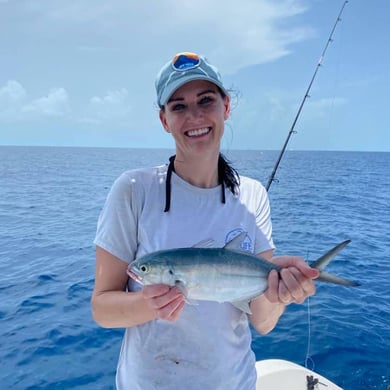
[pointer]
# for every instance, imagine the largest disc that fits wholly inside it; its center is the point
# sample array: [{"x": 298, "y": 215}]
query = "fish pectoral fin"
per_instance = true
[
  {"x": 242, "y": 305},
  {"x": 191, "y": 302},
  {"x": 180, "y": 285}
]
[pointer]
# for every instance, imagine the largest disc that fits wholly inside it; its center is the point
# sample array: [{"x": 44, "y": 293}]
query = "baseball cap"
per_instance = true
[{"x": 184, "y": 67}]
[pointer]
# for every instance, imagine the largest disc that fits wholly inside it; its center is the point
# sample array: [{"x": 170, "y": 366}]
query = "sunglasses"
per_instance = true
[{"x": 185, "y": 61}]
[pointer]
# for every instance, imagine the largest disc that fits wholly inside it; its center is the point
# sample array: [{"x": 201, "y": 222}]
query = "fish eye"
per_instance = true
[{"x": 144, "y": 268}]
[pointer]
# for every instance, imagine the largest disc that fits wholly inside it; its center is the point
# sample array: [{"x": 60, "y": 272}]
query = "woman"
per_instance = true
[{"x": 169, "y": 344}]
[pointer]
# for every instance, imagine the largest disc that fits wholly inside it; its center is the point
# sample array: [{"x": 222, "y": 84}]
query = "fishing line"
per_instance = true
[{"x": 308, "y": 357}]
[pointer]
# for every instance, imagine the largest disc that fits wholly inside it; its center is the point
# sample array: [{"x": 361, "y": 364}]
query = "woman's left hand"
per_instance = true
[{"x": 294, "y": 283}]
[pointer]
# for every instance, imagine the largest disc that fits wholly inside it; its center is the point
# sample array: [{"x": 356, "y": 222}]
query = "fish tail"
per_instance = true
[
  {"x": 330, "y": 278},
  {"x": 325, "y": 259}
]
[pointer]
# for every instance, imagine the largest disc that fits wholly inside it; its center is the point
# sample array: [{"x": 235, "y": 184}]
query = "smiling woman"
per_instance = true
[
  {"x": 195, "y": 116},
  {"x": 168, "y": 343}
]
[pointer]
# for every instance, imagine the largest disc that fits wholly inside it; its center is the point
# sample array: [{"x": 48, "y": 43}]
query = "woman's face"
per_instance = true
[{"x": 195, "y": 116}]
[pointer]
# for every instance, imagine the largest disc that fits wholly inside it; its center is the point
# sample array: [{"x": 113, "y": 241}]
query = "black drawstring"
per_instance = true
[
  {"x": 223, "y": 192},
  {"x": 171, "y": 168},
  {"x": 221, "y": 176}
]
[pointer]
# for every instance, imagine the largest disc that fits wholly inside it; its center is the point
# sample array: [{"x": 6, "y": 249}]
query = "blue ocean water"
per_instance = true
[{"x": 50, "y": 199}]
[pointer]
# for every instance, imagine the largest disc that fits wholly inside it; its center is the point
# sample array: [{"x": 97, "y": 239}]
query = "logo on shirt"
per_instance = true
[{"x": 246, "y": 245}]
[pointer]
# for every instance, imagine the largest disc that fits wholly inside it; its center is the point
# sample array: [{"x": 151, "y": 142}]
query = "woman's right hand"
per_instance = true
[
  {"x": 114, "y": 307},
  {"x": 167, "y": 302}
]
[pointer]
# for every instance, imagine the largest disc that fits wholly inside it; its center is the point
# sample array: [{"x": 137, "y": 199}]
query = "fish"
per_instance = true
[{"x": 227, "y": 274}]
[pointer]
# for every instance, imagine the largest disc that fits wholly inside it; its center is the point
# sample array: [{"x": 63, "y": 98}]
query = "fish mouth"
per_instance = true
[
  {"x": 133, "y": 275},
  {"x": 198, "y": 132}
]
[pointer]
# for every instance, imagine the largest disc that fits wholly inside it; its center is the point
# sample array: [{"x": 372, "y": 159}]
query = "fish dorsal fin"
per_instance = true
[
  {"x": 236, "y": 242},
  {"x": 204, "y": 244}
]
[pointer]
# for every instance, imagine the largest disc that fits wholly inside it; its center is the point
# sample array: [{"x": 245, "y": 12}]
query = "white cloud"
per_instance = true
[
  {"x": 15, "y": 105},
  {"x": 124, "y": 43},
  {"x": 53, "y": 105},
  {"x": 12, "y": 98},
  {"x": 114, "y": 105},
  {"x": 320, "y": 108},
  {"x": 233, "y": 35},
  {"x": 329, "y": 102},
  {"x": 12, "y": 92},
  {"x": 282, "y": 104}
]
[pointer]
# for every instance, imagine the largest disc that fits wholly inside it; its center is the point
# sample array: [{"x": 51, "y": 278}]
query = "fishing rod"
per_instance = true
[{"x": 291, "y": 132}]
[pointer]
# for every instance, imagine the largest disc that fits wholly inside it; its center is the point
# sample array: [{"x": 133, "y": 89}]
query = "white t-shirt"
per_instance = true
[{"x": 209, "y": 346}]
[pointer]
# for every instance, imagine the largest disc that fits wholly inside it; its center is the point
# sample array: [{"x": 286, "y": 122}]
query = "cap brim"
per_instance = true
[{"x": 170, "y": 90}]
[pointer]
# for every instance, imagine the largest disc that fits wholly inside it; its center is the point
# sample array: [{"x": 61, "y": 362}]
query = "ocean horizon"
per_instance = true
[{"x": 224, "y": 149}]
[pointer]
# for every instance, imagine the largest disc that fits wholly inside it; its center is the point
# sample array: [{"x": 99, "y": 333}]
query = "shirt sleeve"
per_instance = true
[
  {"x": 264, "y": 239},
  {"x": 117, "y": 224}
]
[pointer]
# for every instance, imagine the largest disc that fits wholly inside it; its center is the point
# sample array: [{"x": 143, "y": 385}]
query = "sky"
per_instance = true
[{"x": 81, "y": 73}]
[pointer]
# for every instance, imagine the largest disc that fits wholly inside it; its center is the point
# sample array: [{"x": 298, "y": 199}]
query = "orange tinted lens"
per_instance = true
[{"x": 185, "y": 61}]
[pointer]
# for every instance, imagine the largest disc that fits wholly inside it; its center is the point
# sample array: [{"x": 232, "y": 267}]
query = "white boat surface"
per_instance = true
[{"x": 275, "y": 374}]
